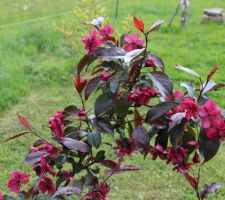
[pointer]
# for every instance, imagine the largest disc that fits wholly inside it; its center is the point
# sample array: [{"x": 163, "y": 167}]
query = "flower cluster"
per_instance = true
[{"x": 185, "y": 125}]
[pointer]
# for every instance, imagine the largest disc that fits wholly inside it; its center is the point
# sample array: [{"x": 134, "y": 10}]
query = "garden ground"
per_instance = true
[{"x": 36, "y": 79}]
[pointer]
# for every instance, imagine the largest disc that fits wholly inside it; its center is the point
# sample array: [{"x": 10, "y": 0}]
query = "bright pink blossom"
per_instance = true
[
  {"x": 158, "y": 150},
  {"x": 133, "y": 42},
  {"x": 104, "y": 76},
  {"x": 217, "y": 130},
  {"x": 143, "y": 95},
  {"x": 1, "y": 196},
  {"x": 91, "y": 42},
  {"x": 209, "y": 113},
  {"x": 177, "y": 156},
  {"x": 190, "y": 108},
  {"x": 56, "y": 124},
  {"x": 106, "y": 31},
  {"x": 16, "y": 180},
  {"x": 46, "y": 185}
]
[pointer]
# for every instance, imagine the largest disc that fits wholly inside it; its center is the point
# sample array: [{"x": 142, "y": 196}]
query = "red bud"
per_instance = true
[
  {"x": 80, "y": 83},
  {"x": 212, "y": 72},
  {"x": 139, "y": 24}
]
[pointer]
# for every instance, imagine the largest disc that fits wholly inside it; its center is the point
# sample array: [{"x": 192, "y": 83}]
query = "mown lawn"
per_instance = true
[{"x": 36, "y": 70}]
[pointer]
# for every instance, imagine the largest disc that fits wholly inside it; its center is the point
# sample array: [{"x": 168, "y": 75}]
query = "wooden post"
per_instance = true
[
  {"x": 184, "y": 14},
  {"x": 174, "y": 14},
  {"x": 117, "y": 8}
]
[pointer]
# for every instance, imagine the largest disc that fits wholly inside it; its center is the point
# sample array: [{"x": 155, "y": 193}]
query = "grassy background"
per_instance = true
[{"x": 36, "y": 69}]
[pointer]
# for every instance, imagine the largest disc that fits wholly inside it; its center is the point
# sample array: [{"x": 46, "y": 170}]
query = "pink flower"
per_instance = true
[
  {"x": 1, "y": 196},
  {"x": 91, "y": 42},
  {"x": 47, "y": 185},
  {"x": 217, "y": 130},
  {"x": 143, "y": 95},
  {"x": 133, "y": 42},
  {"x": 105, "y": 76},
  {"x": 177, "y": 156},
  {"x": 44, "y": 167},
  {"x": 99, "y": 193},
  {"x": 125, "y": 148},
  {"x": 56, "y": 124},
  {"x": 158, "y": 150},
  {"x": 190, "y": 107},
  {"x": 209, "y": 113},
  {"x": 16, "y": 180},
  {"x": 106, "y": 31},
  {"x": 81, "y": 112}
]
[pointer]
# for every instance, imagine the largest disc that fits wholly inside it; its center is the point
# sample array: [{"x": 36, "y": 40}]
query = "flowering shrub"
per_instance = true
[{"x": 135, "y": 112}]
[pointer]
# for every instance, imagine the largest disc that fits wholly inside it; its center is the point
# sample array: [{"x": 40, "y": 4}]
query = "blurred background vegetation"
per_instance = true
[{"x": 40, "y": 43}]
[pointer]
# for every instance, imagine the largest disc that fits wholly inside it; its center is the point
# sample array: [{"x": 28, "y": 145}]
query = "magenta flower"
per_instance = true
[
  {"x": 158, "y": 150},
  {"x": 209, "y": 113},
  {"x": 133, "y": 42},
  {"x": 16, "y": 180},
  {"x": 190, "y": 107},
  {"x": 46, "y": 185},
  {"x": 106, "y": 31},
  {"x": 91, "y": 42},
  {"x": 142, "y": 96},
  {"x": 100, "y": 193},
  {"x": 56, "y": 124},
  {"x": 125, "y": 148},
  {"x": 217, "y": 130},
  {"x": 1, "y": 196},
  {"x": 44, "y": 167},
  {"x": 104, "y": 76}
]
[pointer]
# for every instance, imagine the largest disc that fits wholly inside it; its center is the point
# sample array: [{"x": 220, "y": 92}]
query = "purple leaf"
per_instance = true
[
  {"x": 113, "y": 52},
  {"x": 85, "y": 61},
  {"x": 67, "y": 190},
  {"x": 157, "y": 61},
  {"x": 141, "y": 137},
  {"x": 159, "y": 110},
  {"x": 162, "y": 82},
  {"x": 156, "y": 25},
  {"x": 34, "y": 157},
  {"x": 75, "y": 145},
  {"x": 91, "y": 86},
  {"x": 176, "y": 119},
  {"x": 109, "y": 163},
  {"x": 208, "y": 147},
  {"x": 209, "y": 189}
]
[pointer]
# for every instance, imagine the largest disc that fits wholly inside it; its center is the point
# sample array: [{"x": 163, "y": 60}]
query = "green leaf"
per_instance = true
[
  {"x": 189, "y": 71},
  {"x": 94, "y": 139},
  {"x": 104, "y": 125},
  {"x": 103, "y": 103},
  {"x": 121, "y": 106}
]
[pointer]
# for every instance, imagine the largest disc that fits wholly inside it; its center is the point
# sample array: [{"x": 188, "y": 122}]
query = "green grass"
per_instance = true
[{"x": 36, "y": 65}]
